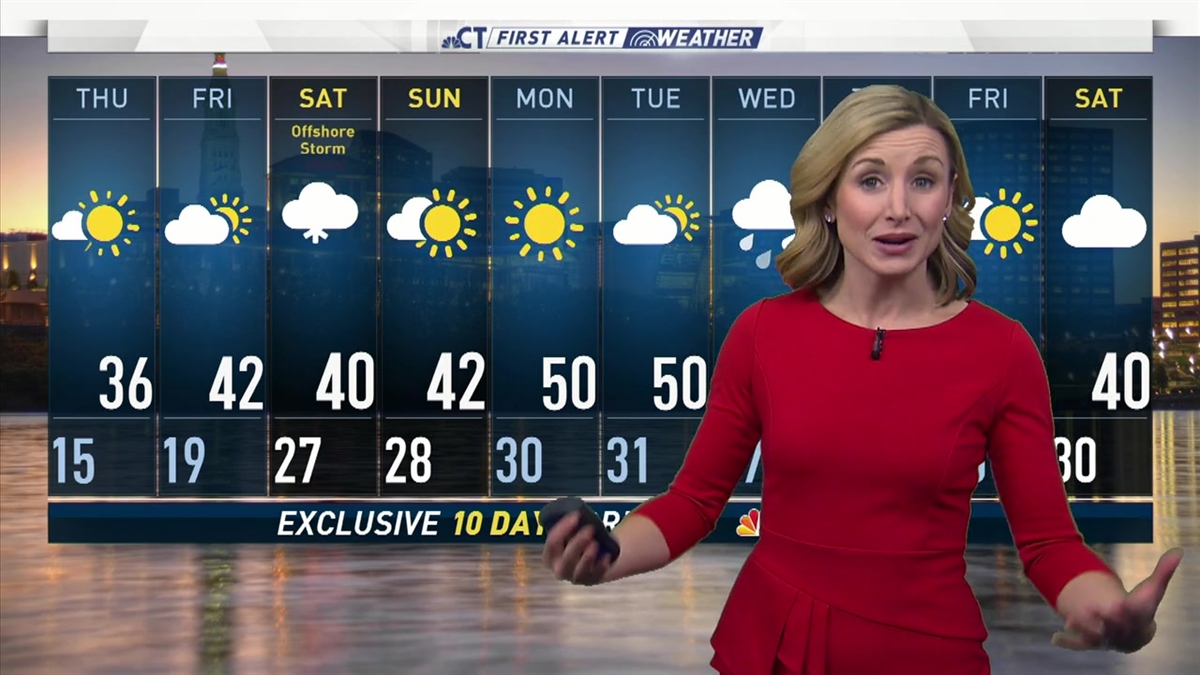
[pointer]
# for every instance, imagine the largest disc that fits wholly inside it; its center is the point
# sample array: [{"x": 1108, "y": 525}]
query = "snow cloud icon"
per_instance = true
[
  {"x": 319, "y": 209},
  {"x": 646, "y": 226},
  {"x": 1104, "y": 223}
]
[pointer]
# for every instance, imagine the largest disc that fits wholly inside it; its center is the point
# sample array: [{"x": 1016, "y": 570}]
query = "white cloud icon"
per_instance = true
[
  {"x": 1103, "y": 223},
  {"x": 406, "y": 225},
  {"x": 769, "y": 207},
  {"x": 981, "y": 204},
  {"x": 69, "y": 228},
  {"x": 644, "y": 226},
  {"x": 319, "y": 209},
  {"x": 197, "y": 227}
]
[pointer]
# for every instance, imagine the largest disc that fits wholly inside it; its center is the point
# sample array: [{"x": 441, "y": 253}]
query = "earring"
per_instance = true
[{"x": 829, "y": 218}]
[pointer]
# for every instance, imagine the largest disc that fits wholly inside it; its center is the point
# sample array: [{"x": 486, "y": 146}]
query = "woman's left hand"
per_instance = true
[{"x": 1102, "y": 615}]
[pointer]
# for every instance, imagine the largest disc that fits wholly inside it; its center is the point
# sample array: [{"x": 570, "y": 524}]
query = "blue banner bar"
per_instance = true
[{"x": 280, "y": 521}]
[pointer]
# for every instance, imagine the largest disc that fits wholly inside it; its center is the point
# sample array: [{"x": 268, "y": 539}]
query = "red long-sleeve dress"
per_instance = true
[{"x": 868, "y": 470}]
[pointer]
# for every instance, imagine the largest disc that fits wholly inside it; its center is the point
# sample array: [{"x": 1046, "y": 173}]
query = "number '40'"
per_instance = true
[{"x": 1131, "y": 384}]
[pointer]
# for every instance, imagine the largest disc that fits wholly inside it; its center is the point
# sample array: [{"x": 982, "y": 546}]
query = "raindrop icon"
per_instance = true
[
  {"x": 747, "y": 242},
  {"x": 763, "y": 260},
  {"x": 787, "y": 240}
]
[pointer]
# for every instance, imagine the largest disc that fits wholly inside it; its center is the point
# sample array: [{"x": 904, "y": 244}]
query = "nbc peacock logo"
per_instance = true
[{"x": 748, "y": 524}]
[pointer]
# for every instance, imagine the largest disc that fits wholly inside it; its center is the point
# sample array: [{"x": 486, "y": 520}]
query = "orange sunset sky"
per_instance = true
[{"x": 1175, "y": 65}]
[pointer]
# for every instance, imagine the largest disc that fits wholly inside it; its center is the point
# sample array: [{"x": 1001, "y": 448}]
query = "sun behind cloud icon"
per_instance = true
[
  {"x": 318, "y": 209},
  {"x": 681, "y": 210},
  {"x": 406, "y": 225},
  {"x": 234, "y": 211},
  {"x": 441, "y": 223},
  {"x": 545, "y": 223},
  {"x": 1104, "y": 223},
  {"x": 748, "y": 524},
  {"x": 195, "y": 226},
  {"x": 103, "y": 222},
  {"x": 69, "y": 227},
  {"x": 646, "y": 226},
  {"x": 1006, "y": 224}
]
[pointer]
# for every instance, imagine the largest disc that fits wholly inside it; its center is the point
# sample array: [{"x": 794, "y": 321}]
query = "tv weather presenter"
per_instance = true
[{"x": 875, "y": 405}]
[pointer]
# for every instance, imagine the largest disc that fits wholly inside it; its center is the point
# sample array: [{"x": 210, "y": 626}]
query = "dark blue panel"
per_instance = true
[
  {"x": 434, "y": 286},
  {"x": 213, "y": 280},
  {"x": 999, "y": 123},
  {"x": 324, "y": 279},
  {"x": 655, "y": 299},
  {"x": 759, "y": 127},
  {"x": 545, "y": 285},
  {"x": 837, "y": 88},
  {"x": 237, "y": 522},
  {"x": 102, "y": 300},
  {"x": 1099, "y": 258}
]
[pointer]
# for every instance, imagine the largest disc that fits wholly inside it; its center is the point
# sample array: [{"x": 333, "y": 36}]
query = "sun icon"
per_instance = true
[
  {"x": 104, "y": 222},
  {"x": 544, "y": 223},
  {"x": 445, "y": 224},
  {"x": 681, "y": 212},
  {"x": 235, "y": 212},
  {"x": 1004, "y": 224}
]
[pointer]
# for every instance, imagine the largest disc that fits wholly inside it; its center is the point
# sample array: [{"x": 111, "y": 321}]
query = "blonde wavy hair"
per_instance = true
[{"x": 814, "y": 257}]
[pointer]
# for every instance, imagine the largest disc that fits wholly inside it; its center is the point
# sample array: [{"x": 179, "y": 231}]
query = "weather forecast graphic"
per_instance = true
[{"x": 515, "y": 288}]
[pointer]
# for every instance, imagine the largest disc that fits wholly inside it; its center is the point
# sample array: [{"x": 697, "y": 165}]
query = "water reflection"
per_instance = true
[{"x": 470, "y": 609}]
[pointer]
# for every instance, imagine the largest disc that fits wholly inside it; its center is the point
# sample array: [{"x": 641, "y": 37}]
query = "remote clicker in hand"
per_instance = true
[{"x": 561, "y": 508}]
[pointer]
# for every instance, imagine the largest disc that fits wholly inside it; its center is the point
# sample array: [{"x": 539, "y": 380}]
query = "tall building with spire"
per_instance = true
[{"x": 220, "y": 152}]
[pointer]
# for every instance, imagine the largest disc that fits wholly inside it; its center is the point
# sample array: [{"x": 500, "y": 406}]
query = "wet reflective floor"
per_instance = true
[{"x": 473, "y": 609}]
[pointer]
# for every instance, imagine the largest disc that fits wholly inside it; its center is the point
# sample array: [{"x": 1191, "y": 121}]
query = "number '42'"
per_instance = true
[{"x": 441, "y": 386}]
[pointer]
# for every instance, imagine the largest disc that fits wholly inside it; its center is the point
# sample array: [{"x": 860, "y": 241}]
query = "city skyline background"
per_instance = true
[{"x": 1175, "y": 66}]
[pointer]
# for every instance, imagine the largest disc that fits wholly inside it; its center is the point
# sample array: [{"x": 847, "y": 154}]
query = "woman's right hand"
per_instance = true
[{"x": 574, "y": 557}]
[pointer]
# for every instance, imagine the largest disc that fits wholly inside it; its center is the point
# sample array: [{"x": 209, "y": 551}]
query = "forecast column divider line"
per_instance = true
[
  {"x": 600, "y": 284},
  {"x": 268, "y": 352},
  {"x": 379, "y": 225},
  {"x": 1044, "y": 242},
  {"x": 712, "y": 245},
  {"x": 820, "y": 101},
  {"x": 158, "y": 230},
  {"x": 489, "y": 211}
]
